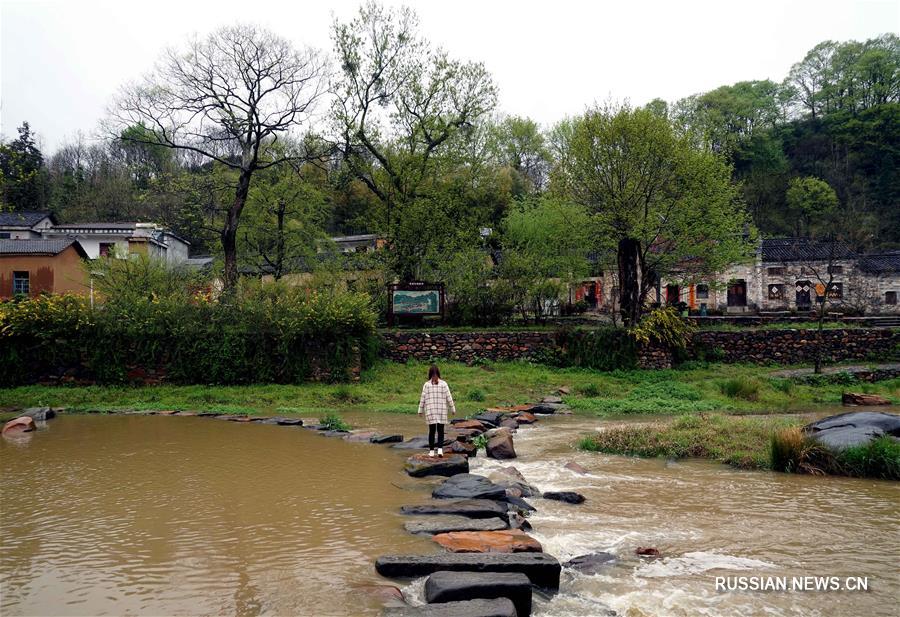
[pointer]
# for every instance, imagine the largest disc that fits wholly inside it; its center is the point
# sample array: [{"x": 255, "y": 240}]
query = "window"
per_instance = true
[
  {"x": 702, "y": 292},
  {"x": 836, "y": 291},
  {"x": 107, "y": 249},
  {"x": 890, "y": 297},
  {"x": 776, "y": 292},
  {"x": 835, "y": 269},
  {"x": 4, "y": 235},
  {"x": 20, "y": 283},
  {"x": 775, "y": 271}
]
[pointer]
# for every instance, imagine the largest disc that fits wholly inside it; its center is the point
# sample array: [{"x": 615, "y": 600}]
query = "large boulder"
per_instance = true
[
  {"x": 591, "y": 563},
  {"x": 501, "y": 447},
  {"x": 472, "y": 508},
  {"x": 855, "y": 428},
  {"x": 565, "y": 496},
  {"x": 499, "y": 607},
  {"x": 447, "y": 586},
  {"x": 541, "y": 569},
  {"x": 22, "y": 424},
  {"x": 421, "y": 465},
  {"x": 468, "y": 486},
  {"x": 504, "y": 541},
  {"x": 461, "y": 447},
  {"x": 38, "y": 414},
  {"x": 863, "y": 400},
  {"x": 444, "y": 524}
]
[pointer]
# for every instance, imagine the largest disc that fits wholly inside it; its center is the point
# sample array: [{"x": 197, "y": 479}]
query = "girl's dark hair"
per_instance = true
[{"x": 434, "y": 372}]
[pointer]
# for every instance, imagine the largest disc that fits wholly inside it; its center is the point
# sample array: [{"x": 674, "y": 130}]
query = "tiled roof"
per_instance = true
[
  {"x": 803, "y": 249},
  {"x": 125, "y": 226},
  {"x": 37, "y": 247},
  {"x": 880, "y": 263},
  {"x": 22, "y": 219}
]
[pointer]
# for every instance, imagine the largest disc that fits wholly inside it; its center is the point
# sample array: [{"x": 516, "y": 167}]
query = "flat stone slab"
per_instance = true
[
  {"x": 443, "y": 524},
  {"x": 468, "y": 486},
  {"x": 421, "y": 465},
  {"x": 499, "y": 607},
  {"x": 387, "y": 439},
  {"x": 471, "y": 508},
  {"x": 505, "y": 541},
  {"x": 460, "y": 586},
  {"x": 540, "y": 568}
]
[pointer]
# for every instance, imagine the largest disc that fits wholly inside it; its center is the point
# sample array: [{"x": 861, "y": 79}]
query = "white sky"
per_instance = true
[{"x": 62, "y": 61}]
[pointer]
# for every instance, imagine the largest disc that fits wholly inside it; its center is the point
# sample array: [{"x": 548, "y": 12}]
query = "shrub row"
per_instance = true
[{"x": 258, "y": 336}]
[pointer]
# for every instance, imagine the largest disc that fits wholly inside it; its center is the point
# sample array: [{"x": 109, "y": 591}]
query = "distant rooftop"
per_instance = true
[
  {"x": 23, "y": 219},
  {"x": 880, "y": 263},
  {"x": 38, "y": 247},
  {"x": 803, "y": 249}
]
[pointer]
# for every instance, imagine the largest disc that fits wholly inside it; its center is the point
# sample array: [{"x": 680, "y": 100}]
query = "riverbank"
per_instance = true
[
  {"x": 389, "y": 387},
  {"x": 760, "y": 442}
]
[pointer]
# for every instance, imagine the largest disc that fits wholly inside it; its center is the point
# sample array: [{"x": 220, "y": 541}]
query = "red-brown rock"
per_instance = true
[
  {"x": 505, "y": 541},
  {"x": 573, "y": 466},
  {"x": 526, "y": 418},
  {"x": 646, "y": 551},
  {"x": 22, "y": 424},
  {"x": 864, "y": 400},
  {"x": 501, "y": 446},
  {"x": 469, "y": 424}
]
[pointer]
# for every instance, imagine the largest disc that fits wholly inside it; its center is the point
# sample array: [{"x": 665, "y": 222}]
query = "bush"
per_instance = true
[
  {"x": 333, "y": 422},
  {"x": 663, "y": 326},
  {"x": 476, "y": 395},
  {"x": 262, "y": 333},
  {"x": 602, "y": 349},
  {"x": 740, "y": 387}
]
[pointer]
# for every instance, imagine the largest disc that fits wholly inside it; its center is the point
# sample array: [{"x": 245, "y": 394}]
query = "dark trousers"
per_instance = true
[{"x": 440, "y": 435}]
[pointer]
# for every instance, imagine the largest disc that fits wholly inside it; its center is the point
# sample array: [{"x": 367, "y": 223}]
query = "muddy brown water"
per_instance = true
[{"x": 138, "y": 515}]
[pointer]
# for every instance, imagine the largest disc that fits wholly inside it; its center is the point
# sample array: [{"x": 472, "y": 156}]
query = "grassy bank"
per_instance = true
[
  {"x": 792, "y": 451},
  {"x": 392, "y": 387},
  {"x": 742, "y": 442}
]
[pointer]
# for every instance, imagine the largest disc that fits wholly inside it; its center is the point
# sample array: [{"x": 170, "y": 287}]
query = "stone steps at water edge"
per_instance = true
[
  {"x": 472, "y": 508},
  {"x": 443, "y": 586},
  {"x": 500, "y": 607},
  {"x": 541, "y": 569},
  {"x": 421, "y": 465},
  {"x": 444, "y": 524}
]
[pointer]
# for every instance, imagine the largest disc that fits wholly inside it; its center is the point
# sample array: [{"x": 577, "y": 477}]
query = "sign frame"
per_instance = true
[{"x": 392, "y": 288}]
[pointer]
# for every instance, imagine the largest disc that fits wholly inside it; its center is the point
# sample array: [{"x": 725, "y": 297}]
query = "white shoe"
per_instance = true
[
  {"x": 431, "y": 453},
  {"x": 440, "y": 452}
]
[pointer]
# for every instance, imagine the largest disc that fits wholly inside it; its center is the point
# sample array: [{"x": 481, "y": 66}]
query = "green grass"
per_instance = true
[
  {"x": 742, "y": 442},
  {"x": 390, "y": 387},
  {"x": 792, "y": 451}
]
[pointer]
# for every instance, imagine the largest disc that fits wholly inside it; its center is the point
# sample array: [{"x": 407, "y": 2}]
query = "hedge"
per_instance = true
[{"x": 271, "y": 337}]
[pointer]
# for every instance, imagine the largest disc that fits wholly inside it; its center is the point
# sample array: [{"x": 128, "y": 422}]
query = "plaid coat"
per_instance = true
[{"x": 435, "y": 401}]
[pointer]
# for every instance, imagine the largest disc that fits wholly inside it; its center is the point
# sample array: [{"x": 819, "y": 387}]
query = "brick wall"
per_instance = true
[{"x": 464, "y": 346}]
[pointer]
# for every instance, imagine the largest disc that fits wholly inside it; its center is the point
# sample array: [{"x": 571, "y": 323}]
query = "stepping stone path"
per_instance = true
[
  {"x": 445, "y": 586},
  {"x": 421, "y": 465},
  {"x": 492, "y": 564},
  {"x": 506, "y": 541},
  {"x": 443, "y": 524}
]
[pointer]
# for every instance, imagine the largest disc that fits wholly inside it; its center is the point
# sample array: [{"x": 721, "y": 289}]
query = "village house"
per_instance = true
[
  {"x": 30, "y": 267},
  {"x": 24, "y": 225}
]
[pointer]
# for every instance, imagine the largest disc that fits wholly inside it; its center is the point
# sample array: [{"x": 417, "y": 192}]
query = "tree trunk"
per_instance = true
[
  {"x": 629, "y": 260},
  {"x": 279, "y": 245},
  {"x": 229, "y": 230}
]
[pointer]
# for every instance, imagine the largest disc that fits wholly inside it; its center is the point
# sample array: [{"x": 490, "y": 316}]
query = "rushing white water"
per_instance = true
[{"x": 708, "y": 521}]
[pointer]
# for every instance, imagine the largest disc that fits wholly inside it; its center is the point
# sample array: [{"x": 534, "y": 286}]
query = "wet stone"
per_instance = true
[
  {"x": 444, "y": 524},
  {"x": 472, "y": 508},
  {"x": 468, "y": 486},
  {"x": 500, "y": 607},
  {"x": 421, "y": 465},
  {"x": 456, "y": 586},
  {"x": 542, "y": 569}
]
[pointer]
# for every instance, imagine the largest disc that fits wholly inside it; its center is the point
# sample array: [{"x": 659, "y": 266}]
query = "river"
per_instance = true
[{"x": 152, "y": 515}]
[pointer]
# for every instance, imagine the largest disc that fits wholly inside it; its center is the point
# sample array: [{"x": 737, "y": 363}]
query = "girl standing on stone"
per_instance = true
[{"x": 435, "y": 401}]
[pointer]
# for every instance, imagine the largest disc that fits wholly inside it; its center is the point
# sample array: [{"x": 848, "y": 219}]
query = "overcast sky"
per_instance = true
[{"x": 62, "y": 61}]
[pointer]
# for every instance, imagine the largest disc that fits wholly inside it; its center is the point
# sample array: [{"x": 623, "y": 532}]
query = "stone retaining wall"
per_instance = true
[
  {"x": 751, "y": 345},
  {"x": 797, "y": 346},
  {"x": 464, "y": 346}
]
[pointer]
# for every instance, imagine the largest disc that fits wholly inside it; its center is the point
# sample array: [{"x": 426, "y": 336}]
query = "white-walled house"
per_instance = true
[{"x": 99, "y": 239}]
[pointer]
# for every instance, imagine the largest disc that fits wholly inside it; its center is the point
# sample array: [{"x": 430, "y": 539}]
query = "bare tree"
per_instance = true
[{"x": 227, "y": 98}]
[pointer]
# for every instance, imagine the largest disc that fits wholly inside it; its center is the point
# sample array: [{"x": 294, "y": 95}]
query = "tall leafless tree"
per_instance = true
[{"x": 227, "y": 98}]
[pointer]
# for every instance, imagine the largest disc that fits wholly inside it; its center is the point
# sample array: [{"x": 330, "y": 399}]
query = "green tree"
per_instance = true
[
  {"x": 21, "y": 178},
  {"x": 401, "y": 107},
  {"x": 546, "y": 242},
  {"x": 813, "y": 201},
  {"x": 665, "y": 204},
  {"x": 519, "y": 145}
]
